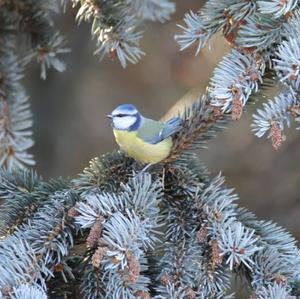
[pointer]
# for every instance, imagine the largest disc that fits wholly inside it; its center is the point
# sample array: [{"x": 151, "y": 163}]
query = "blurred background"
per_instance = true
[{"x": 71, "y": 128}]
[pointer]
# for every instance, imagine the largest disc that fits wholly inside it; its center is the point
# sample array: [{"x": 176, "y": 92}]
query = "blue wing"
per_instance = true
[
  {"x": 154, "y": 132},
  {"x": 171, "y": 127}
]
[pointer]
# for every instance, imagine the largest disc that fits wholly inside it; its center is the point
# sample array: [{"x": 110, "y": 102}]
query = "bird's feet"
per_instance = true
[
  {"x": 141, "y": 172},
  {"x": 145, "y": 168}
]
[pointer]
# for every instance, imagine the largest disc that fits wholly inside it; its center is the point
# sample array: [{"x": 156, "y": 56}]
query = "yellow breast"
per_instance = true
[{"x": 141, "y": 150}]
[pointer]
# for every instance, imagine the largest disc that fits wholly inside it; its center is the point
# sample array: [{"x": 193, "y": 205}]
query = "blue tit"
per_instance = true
[{"x": 145, "y": 140}]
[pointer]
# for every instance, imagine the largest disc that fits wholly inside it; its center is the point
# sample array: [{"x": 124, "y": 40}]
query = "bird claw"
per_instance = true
[{"x": 141, "y": 172}]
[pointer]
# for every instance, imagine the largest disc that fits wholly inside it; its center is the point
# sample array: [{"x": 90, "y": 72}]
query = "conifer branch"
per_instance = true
[
  {"x": 116, "y": 24},
  {"x": 235, "y": 78},
  {"x": 23, "y": 21},
  {"x": 200, "y": 122},
  {"x": 33, "y": 20},
  {"x": 206, "y": 237},
  {"x": 263, "y": 35},
  {"x": 16, "y": 191},
  {"x": 15, "y": 114},
  {"x": 46, "y": 237},
  {"x": 31, "y": 291},
  {"x": 192, "y": 265},
  {"x": 25, "y": 268},
  {"x": 277, "y": 8},
  {"x": 122, "y": 229},
  {"x": 227, "y": 238},
  {"x": 173, "y": 231},
  {"x": 104, "y": 172},
  {"x": 275, "y": 116}
]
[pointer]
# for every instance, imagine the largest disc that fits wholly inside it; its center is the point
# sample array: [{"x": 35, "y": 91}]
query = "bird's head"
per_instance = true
[{"x": 125, "y": 117}]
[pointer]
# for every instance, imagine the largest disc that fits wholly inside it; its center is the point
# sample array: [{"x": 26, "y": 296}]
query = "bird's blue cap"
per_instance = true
[{"x": 127, "y": 109}]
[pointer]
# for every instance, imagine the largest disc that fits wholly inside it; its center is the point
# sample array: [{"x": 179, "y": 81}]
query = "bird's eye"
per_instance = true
[{"x": 120, "y": 115}]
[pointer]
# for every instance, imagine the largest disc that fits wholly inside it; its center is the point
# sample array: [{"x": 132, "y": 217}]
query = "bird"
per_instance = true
[{"x": 146, "y": 140}]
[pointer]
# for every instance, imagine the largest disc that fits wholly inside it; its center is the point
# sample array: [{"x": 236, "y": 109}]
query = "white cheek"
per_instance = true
[{"x": 123, "y": 123}]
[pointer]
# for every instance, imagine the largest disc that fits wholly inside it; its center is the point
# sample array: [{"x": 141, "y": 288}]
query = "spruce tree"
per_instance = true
[{"x": 173, "y": 231}]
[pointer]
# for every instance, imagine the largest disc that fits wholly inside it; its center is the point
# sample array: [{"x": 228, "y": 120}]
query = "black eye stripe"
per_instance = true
[{"x": 122, "y": 115}]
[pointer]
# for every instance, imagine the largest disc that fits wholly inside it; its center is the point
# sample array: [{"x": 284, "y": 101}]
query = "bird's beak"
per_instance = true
[{"x": 109, "y": 116}]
